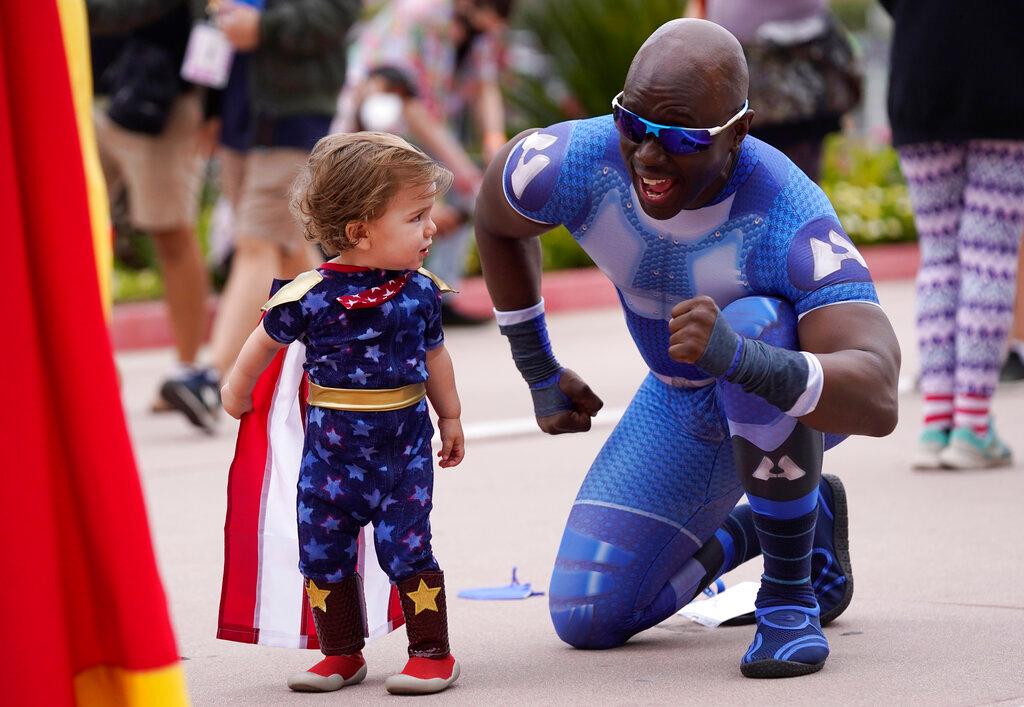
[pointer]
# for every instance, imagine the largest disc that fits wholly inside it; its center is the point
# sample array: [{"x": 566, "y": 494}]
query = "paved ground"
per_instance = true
[{"x": 938, "y": 617}]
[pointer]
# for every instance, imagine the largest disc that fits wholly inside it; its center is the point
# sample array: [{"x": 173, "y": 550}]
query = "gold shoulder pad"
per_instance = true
[
  {"x": 294, "y": 290},
  {"x": 441, "y": 284}
]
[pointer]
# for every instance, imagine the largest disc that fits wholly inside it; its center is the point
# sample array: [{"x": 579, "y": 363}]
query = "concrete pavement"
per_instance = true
[{"x": 938, "y": 616}]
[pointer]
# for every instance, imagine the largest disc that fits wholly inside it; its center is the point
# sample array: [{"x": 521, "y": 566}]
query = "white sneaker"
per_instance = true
[
  {"x": 967, "y": 450},
  {"x": 929, "y": 447}
]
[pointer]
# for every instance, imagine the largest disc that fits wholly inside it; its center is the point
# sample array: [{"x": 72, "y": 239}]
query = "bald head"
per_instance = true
[
  {"x": 690, "y": 74},
  {"x": 695, "y": 64}
]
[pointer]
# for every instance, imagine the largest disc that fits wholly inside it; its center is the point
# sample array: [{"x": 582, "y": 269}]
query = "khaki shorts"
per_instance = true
[
  {"x": 162, "y": 173},
  {"x": 256, "y": 184}
]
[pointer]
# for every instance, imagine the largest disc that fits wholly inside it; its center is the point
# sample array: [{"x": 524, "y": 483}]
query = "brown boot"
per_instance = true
[
  {"x": 341, "y": 627},
  {"x": 431, "y": 667}
]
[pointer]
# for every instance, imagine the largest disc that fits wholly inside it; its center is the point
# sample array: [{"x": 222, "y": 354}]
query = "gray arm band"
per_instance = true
[{"x": 777, "y": 375}]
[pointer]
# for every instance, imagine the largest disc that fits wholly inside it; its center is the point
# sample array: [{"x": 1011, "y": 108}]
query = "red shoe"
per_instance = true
[
  {"x": 332, "y": 673},
  {"x": 424, "y": 676}
]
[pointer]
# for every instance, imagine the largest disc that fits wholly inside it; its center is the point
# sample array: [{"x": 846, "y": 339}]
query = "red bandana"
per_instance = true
[{"x": 375, "y": 296}]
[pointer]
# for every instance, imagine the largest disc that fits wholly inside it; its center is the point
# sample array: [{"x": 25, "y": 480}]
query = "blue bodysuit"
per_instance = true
[
  {"x": 768, "y": 249},
  {"x": 364, "y": 467}
]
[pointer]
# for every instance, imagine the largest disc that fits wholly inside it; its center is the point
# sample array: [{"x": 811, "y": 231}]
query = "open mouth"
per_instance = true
[
  {"x": 656, "y": 190},
  {"x": 424, "y": 252}
]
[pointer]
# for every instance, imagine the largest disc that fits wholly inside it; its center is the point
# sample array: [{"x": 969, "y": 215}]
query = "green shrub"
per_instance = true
[
  {"x": 866, "y": 188},
  {"x": 136, "y": 285},
  {"x": 852, "y": 13}
]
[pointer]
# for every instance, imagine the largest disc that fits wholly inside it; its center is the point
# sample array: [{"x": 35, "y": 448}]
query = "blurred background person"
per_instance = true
[
  {"x": 150, "y": 129},
  {"x": 803, "y": 71},
  {"x": 289, "y": 65},
  {"x": 429, "y": 70},
  {"x": 1013, "y": 366},
  {"x": 956, "y": 123}
]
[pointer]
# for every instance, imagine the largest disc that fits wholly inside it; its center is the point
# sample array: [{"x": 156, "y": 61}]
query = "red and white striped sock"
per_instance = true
[
  {"x": 938, "y": 411},
  {"x": 971, "y": 410}
]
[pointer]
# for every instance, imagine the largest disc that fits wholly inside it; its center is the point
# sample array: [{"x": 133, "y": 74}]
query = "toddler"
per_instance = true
[{"x": 370, "y": 321}]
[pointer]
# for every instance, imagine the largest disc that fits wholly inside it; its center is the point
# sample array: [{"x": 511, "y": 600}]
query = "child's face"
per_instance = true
[{"x": 400, "y": 238}]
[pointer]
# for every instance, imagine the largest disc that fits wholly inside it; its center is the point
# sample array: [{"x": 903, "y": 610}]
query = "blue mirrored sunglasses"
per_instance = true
[{"x": 674, "y": 140}]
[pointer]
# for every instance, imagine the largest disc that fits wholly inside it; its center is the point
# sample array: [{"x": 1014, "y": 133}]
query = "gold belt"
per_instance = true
[{"x": 365, "y": 400}]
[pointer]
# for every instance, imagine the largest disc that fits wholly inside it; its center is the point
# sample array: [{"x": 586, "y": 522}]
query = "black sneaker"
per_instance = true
[
  {"x": 1013, "y": 369},
  {"x": 453, "y": 317},
  {"x": 196, "y": 395}
]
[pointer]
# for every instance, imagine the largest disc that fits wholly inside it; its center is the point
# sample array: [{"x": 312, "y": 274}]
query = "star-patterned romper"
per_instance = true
[{"x": 364, "y": 467}]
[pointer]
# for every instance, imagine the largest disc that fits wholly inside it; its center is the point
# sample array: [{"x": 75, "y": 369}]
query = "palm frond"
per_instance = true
[{"x": 588, "y": 46}]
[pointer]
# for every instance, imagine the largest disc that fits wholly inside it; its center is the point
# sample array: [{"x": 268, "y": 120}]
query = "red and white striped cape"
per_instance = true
[{"x": 262, "y": 597}]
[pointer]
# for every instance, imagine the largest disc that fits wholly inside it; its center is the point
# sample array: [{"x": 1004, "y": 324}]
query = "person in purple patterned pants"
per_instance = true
[{"x": 957, "y": 127}]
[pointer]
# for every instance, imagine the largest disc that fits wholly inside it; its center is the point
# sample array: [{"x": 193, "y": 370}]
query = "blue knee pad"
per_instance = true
[
  {"x": 770, "y": 320},
  {"x": 611, "y": 575}
]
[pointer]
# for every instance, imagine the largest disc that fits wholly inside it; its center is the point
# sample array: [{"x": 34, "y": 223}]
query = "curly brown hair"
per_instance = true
[{"x": 352, "y": 177}]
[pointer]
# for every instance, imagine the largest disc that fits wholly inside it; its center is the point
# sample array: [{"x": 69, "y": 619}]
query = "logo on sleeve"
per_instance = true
[
  {"x": 527, "y": 169},
  {"x": 828, "y": 260},
  {"x": 533, "y": 166},
  {"x": 822, "y": 254}
]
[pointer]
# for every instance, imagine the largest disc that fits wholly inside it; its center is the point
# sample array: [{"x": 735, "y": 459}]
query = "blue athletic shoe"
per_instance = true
[
  {"x": 831, "y": 572},
  {"x": 788, "y": 643}
]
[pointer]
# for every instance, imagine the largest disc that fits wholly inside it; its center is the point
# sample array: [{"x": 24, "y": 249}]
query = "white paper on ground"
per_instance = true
[{"x": 734, "y": 601}]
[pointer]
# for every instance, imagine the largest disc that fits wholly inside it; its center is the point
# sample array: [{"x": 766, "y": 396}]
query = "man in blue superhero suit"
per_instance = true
[{"x": 759, "y": 322}]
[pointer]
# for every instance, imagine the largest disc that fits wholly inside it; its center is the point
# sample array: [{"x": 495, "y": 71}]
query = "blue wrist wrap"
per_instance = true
[{"x": 531, "y": 352}]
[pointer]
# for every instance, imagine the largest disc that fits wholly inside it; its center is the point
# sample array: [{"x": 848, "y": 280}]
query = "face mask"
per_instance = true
[{"x": 382, "y": 112}]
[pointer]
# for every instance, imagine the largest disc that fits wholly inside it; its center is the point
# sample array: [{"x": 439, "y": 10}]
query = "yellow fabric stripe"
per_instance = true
[
  {"x": 73, "y": 21},
  {"x": 294, "y": 290},
  {"x": 364, "y": 399},
  {"x": 443, "y": 286},
  {"x": 116, "y": 687}
]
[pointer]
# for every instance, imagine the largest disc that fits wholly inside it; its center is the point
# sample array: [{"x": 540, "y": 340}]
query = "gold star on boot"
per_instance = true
[
  {"x": 317, "y": 596},
  {"x": 425, "y": 597}
]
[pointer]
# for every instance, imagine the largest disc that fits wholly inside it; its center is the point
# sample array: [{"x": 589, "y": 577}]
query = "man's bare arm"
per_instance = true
[
  {"x": 508, "y": 242},
  {"x": 510, "y": 255},
  {"x": 860, "y": 359},
  {"x": 852, "y": 343}
]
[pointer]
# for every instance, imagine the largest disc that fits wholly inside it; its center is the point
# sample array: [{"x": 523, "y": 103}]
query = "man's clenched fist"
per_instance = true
[
  {"x": 585, "y": 405},
  {"x": 690, "y": 328}
]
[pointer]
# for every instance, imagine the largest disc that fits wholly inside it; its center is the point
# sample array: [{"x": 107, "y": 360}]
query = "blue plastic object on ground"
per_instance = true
[
  {"x": 515, "y": 590},
  {"x": 717, "y": 588}
]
